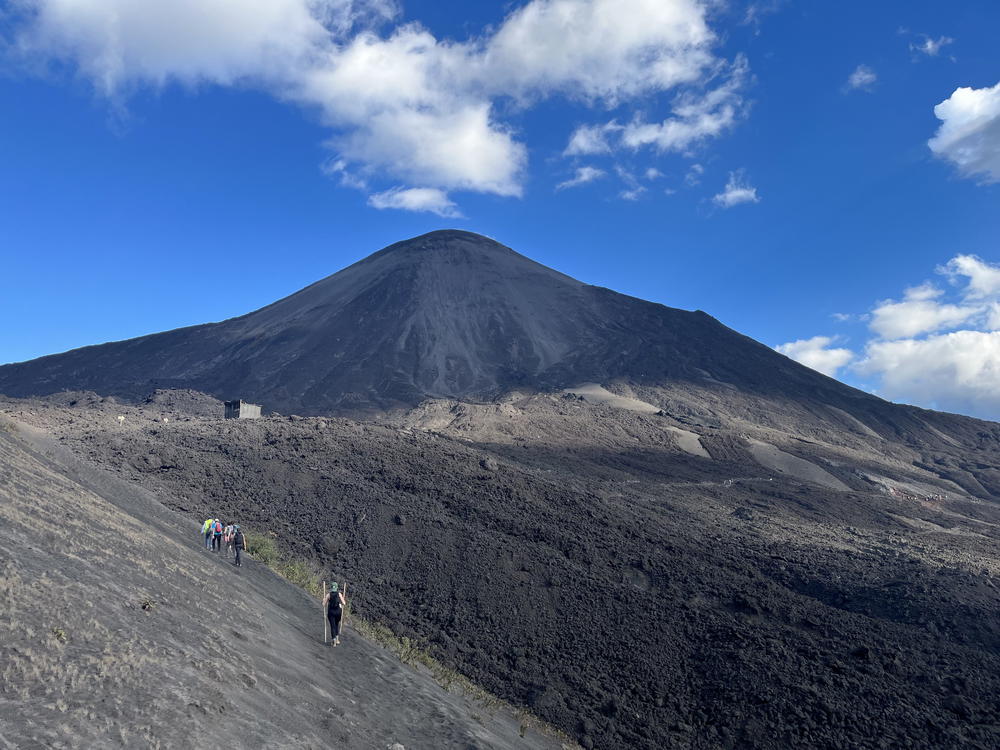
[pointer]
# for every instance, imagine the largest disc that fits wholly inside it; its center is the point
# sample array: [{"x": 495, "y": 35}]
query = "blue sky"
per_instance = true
[{"x": 780, "y": 165}]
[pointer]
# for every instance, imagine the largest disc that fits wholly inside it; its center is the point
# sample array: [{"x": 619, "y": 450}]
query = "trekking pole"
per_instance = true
[
  {"x": 344, "y": 625},
  {"x": 326, "y": 624}
]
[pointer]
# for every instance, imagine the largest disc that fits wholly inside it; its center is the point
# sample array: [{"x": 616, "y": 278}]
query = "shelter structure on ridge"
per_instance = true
[{"x": 240, "y": 409}]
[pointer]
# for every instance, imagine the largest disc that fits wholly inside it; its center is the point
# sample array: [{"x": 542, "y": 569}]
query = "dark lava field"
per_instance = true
[{"x": 632, "y": 593}]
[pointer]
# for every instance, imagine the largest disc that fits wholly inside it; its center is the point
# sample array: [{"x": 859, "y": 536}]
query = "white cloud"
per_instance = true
[
  {"x": 930, "y": 47},
  {"x": 612, "y": 50},
  {"x": 415, "y": 199},
  {"x": 340, "y": 169},
  {"x": 863, "y": 78},
  {"x": 693, "y": 176},
  {"x": 590, "y": 139},
  {"x": 969, "y": 136},
  {"x": 695, "y": 118},
  {"x": 958, "y": 371},
  {"x": 634, "y": 189},
  {"x": 582, "y": 177},
  {"x": 652, "y": 173},
  {"x": 984, "y": 278},
  {"x": 919, "y": 312},
  {"x": 815, "y": 353},
  {"x": 737, "y": 191},
  {"x": 404, "y": 105},
  {"x": 936, "y": 347}
]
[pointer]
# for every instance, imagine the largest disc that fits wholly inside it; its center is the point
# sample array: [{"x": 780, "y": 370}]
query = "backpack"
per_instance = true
[
  {"x": 218, "y": 527},
  {"x": 238, "y": 541}
]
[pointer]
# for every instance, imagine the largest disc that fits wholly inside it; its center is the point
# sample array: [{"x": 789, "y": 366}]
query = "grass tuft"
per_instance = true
[{"x": 264, "y": 548}]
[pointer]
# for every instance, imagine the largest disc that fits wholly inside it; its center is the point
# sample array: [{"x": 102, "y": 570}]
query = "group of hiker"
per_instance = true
[{"x": 218, "y": 534}]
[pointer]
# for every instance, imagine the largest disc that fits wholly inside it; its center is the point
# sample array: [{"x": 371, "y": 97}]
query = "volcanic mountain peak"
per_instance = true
[{"x": 447, "y": 314}]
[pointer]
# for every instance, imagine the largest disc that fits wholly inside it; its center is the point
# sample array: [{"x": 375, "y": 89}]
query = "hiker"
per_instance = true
[
  {"x": 206, "y": 529},
  {"x": 239, "y": 544},
  {"x": 217, "y": 536},
  {"x": 334, "y": 602},
  {"x": 227, "y": 537}
]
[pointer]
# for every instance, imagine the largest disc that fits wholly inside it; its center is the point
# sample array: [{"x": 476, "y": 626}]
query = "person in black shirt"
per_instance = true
[{"x": 334, "y": 602}]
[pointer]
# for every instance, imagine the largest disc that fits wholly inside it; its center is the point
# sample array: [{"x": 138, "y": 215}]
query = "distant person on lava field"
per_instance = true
[
  {"x": 239, "y": 544},
  {"x": 334, "y": 602},
  {"x": 217, "y": 536},
  {"x": 206, "y": 529}
]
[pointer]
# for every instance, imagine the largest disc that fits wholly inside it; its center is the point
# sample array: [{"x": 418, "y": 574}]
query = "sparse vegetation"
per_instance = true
[
  {"x": 263, "y": 547},
  {"x": 59, "y": 634},
  {"x": 147, "y": 604}
]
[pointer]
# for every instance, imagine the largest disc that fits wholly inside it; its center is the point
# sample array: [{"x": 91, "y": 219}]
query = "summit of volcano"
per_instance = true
[{"x": 449, "y": 314}]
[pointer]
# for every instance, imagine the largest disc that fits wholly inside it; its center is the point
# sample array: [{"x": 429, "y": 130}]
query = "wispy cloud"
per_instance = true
[
  {"x": 582, "y": 177},
  {"x": 930, "y": 47},
  {"x": 416, "y": 199},
  {"x": 737, "y": 191},
  {"x": 693, "y": 176},
  {"x": 694, "y": 119},
  {"x": 863, "y": 78}
]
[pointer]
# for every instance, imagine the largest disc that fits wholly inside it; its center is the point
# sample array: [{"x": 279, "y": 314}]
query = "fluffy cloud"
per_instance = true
[
  {"x": 969, "y": 136},
  {"x": 582, "y": 177},
  {"x": 935, "y": 347},
  {"x": 918, "y": 358},
  {"x": 863, "y": 78},
  {"x": 415, "y": 199},
  {"x": 117, "y": 43},
  {"x": 919, "y": 312},
  {"x": 983, "y": 278},
  {"x": 957, "y": 371},
  {"x": 817, "y": 354},
  {"x": 404, "y": 105},
  {"x": 612, "y": 50},
  {"x": 737, "y": 191}
]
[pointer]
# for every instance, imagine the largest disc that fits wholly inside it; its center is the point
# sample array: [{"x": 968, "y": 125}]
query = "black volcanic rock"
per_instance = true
[{"x": 448, "y": 314}]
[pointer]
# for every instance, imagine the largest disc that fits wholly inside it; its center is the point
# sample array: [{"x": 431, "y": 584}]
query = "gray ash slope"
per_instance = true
[{"x": 449, "y": 314}]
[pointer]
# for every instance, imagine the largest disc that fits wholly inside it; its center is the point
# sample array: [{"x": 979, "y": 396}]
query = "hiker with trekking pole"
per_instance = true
[
  {"x": 334, "y": 602},
  {"x": 239, "y": 545}
]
